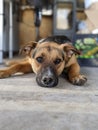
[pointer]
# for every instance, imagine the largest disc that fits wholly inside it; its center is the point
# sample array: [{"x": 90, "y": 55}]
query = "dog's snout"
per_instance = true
[
  {"x": 47, "y": 77},
  {"x": 48, "y": 81}
]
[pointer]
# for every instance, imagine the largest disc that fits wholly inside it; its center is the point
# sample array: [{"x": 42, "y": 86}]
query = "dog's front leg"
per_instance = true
[
  {"x": 74, "y": 75},
  {"x": 24, "y": 67}
]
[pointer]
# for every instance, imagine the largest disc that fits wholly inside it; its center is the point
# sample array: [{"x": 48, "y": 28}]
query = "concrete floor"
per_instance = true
[{"x": 26, "y": 106}]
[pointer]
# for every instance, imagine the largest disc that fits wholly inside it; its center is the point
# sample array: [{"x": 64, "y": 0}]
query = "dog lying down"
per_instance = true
[{"x": 48, "y": 59}]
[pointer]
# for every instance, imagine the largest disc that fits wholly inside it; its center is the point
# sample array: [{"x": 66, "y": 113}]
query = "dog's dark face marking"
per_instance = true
[
  {"x": 48, "y": 63},
  {"x": 47, "y": 77}
]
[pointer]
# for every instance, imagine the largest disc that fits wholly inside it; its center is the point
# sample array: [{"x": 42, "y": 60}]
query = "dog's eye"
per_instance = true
[
  {"x": 57, "y": 61},
  {"x": 39, "y": 59}
]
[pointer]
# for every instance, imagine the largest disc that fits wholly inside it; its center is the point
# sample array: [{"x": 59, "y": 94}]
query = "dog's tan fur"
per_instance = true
[{"x": 50, "y": 52}]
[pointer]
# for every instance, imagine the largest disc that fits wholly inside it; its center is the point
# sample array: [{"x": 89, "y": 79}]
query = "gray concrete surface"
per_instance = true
[{"x": 26, "y": 106}]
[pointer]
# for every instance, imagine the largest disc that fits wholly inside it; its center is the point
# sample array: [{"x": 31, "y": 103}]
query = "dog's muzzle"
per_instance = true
[{"x": 47, "y": 77}]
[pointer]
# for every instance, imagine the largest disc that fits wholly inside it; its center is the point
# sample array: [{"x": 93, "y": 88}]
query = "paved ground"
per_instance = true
[{"x": 26, "y": 106}]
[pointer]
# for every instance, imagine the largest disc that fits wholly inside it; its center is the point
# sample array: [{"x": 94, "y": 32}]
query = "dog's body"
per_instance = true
[{"x": 48, "y": 59}]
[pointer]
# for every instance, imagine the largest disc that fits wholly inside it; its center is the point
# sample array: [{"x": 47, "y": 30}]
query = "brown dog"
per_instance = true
[{"x": 48, "y": 59}]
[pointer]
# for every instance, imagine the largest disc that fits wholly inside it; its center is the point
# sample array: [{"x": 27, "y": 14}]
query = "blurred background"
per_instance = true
[{"x": 22, "y": 21}]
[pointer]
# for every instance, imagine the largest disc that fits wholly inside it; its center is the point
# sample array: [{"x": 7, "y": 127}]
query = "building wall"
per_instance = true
[{"x": 27, "y": 30}]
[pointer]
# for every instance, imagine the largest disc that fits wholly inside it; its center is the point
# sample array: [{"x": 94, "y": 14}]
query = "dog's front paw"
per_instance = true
[
  {"x": 79, "y": 80},
  {"x": 4, "y": 74}
]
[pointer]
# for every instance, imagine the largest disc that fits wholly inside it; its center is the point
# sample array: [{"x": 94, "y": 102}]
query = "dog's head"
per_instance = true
[{"x": 48, "y": 60}]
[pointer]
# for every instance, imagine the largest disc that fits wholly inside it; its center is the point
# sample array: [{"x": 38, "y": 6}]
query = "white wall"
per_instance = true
[{"x": 6, "y": 30}]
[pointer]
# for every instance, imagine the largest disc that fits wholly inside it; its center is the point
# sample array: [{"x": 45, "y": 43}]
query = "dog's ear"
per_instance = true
[
  {"x": 26, "y": 49},
  {"x": 70, "y": 49}
]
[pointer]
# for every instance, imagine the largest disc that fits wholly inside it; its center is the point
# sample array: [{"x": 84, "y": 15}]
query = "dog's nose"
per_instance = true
[{"x": 48, "y": 81}]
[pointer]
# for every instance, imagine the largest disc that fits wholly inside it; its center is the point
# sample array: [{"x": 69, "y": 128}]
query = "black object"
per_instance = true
[
  {"x": 38, "y": 17},
  {"x": 38, "y": 5},
  {"x": 68, "y": 32}
]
